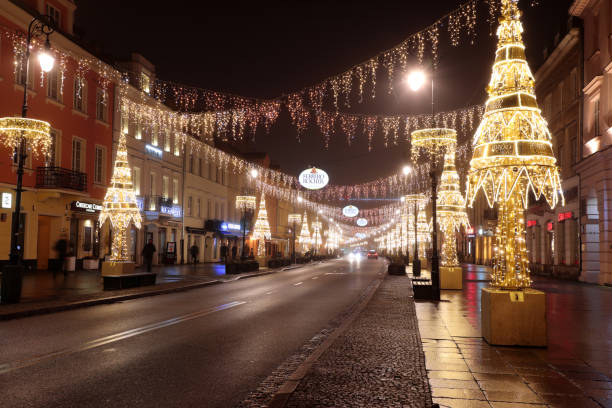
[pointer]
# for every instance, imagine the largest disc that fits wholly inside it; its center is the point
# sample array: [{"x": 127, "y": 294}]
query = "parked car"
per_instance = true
[{"x": 372, "y": 254}]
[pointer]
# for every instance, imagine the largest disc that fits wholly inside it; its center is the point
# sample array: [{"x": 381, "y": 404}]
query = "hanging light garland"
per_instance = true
[
  {"x": 36, "y": 133},
  {"x": 513, "y": 153}
]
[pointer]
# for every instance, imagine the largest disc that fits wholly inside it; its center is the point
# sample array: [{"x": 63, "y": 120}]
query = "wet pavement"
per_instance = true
[
  {"x": 575, "y": 370},
  {"x": 45, "y": 285}
]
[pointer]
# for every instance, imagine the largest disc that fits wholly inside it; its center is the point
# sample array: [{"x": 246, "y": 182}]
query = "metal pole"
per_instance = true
[
  {"x": 435, "y": 267},
  {"x": 416, "y": 263},
  {"x": 293, "y": 244},
  {"x": 243, "y": 231}
]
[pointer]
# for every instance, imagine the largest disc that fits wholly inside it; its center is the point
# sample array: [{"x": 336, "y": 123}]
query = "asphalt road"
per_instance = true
[{"x": 207, "y": 347}]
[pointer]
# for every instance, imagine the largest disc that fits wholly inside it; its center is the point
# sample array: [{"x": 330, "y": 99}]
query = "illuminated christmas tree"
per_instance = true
[
  {"x": 513, "y": 153},
  {"x": 316, "y": 235},
  {"x": 120, "y": 205},
  {"x": 261, "y": 230},
  {"x": 304, "y": 238},
  {"x": 423, "y": 232},
  {"x": 451, "y": 210}
]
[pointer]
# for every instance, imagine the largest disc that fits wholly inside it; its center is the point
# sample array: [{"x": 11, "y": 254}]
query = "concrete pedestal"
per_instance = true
[
  {"x": 451, "y": 277},
  {"x": 514, "y": 318},
  {"x": 117, "y": 268}
]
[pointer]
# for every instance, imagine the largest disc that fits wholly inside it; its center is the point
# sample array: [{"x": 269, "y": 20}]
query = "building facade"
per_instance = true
[
  {"x": 63, "y": 191},
  {"x": 553, "y": 235},
  {"x": 595, "y": 148}
]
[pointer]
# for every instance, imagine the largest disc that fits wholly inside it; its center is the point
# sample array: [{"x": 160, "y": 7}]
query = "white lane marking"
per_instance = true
[
  {"x": 316, "y": 277},
  {"x": 7, "y": 367},
  {"x": 335, "y": 273},
  {"x": 297, "y": 284},
  {"x": 269, "y": 293}
]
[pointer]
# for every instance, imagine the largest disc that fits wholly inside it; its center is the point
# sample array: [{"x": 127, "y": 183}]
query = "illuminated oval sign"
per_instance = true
[
  {"x": 350, "y": 211},
  {"x": 360, "y": 235},
  {"x": 313, "y": 179},
  {"x": 362, "y": 222}
]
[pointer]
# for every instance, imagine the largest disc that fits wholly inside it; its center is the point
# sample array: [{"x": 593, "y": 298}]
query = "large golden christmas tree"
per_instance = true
[
  {"x": 120, "y": 205},
  {"x": 261, "y": 230},
  {"x": 513, "y": 153}
]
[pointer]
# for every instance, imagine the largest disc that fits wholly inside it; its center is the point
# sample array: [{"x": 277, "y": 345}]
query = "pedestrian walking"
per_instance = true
[
  {"x": 147, "y": 253},
  {"x": 194, "y": 253},
  {"x": 234, "y": 252},
  {"x": 61, "y": 246}
]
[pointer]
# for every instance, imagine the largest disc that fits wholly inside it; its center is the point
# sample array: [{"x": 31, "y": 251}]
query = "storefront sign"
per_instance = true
[
  {"x": 470, "y": 232},
  {"x": 550, "y": 226},
  {"x": 228, "y": 226},
  {"x": 531, "y": 223},
  {"x": 87, "y": 207},
  {"x": 350, "y": 211},
  {"x": 140, "y": 203},
  {"x": 154, "y": 151},
  {"x": 565, "y": 216},
  {"x": 313, "y": 179},
  {"x": 7, "y": 200},
  {"x": 362, "y": 222},
  {"x": 151, "y": 215},
  {"x": 173, "y": 211}
]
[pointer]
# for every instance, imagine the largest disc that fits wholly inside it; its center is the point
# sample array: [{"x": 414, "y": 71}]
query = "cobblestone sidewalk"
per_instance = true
[{"x": 377, "y": 362}]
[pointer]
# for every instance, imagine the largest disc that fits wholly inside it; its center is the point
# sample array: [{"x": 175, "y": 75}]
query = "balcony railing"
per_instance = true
[{"x": 58, "y": 177}]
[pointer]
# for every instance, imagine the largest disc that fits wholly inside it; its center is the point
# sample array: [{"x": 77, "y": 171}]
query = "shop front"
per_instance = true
[
  {"x": 163, "y": 229},
  {"x": 84, "y": 233}
]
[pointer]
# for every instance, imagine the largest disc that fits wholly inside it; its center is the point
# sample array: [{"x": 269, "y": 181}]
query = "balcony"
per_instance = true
[
  {"x": 60, "y": 178},
  {"x": 155, "y": 202}
]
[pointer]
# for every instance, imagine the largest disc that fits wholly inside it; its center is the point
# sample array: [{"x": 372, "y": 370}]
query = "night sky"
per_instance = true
[{"x": 264, "y": 49}]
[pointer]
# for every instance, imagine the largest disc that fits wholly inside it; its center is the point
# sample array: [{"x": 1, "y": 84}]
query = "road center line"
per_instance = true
[
  {"x": 296, "y": 284},
  {"x": 7, "y": 367},
  {"x": 316, "y": 277}
]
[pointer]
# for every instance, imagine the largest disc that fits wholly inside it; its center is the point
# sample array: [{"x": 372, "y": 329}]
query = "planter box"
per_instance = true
[
  {"x": 91, "y": 264},
  {"x": 71, "y": 263},
  {"x": 396, "y": 269}
]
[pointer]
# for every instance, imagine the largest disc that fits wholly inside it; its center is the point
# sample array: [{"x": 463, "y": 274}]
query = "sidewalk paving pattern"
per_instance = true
[
  {"x": 377, "y": 362},
  {"x": 573, "y": 371}
]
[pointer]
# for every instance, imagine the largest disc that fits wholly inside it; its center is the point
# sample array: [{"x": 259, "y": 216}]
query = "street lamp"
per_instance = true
[
  {"x": 18, "y": 132},
  {"x": 254, "y": 173},
  {"x": 294, "y": 219},
  {"x": 245, "y": 204},
  {"x": 406, "y": 170}
]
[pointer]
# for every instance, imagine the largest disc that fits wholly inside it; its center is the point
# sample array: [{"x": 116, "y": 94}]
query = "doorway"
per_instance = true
[{"x": 43, "y": 244}]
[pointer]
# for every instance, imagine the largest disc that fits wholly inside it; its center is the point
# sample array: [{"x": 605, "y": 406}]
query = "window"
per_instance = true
[
  {"x": 177, "y": 146},
  {"x": 573, "y": 149},
  {"x": 154, "y": 140},
  {"x": 216, "y": 210},
  {"x": 217, "y": 175},
  {"x": 101, "y": 105},
  {"x": 209, "y": 210},
  {"x": 136, "y": 180},
  {"x": 77, "y": 155},
  {"x": 145, "y": 83},
  {"x": 166, "y": 186},
  {"x": 199, "y": 207},
  {"x": 191, "y": 163},
  {"x": 175, "y": 191},
  {"x": 200, "y": 166},
  {"x": 560, "y": 157},
  {"x": 548, "y": 106},
  {"x": 167, "y": 142},
  {"x": 189, "y": 203},
  {"x": 20, "y": 74},
  {"x": 222, "y": 211},
  {"x": 596, "y": 118},
  {"x": 99, "y": 165},
  {"x": 152, "y": 184},
  {"x": 51, "y": 159},
  {"x": 574, "y": 87},
  {"x": 210, "y": 171},
  {"x": 54, "y": 14},
  {"x": 79, "y": 95},
  {"x": 138, "y": 132},
  {"x": 53, "y": 90}
]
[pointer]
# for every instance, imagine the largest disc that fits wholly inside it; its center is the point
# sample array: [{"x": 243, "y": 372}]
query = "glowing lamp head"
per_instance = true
[
  {"x": 415, "y": 80},
  {"x": 300, "y": 199},
  {"x": 254, "y": 173},
  {"x": 45, "y": 58},
  {"x": 406, "y": 170}
]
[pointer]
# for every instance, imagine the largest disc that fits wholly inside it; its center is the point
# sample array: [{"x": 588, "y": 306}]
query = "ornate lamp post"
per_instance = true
[
  {"x": 294, "y": 219},
  {"x": 21, "y": 134},
  {"x": 414, "y": 200},
  {"x": 246, "y": 205}
]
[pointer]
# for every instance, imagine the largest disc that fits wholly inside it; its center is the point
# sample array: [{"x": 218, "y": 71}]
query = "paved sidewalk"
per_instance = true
[
  {"x": 377, "y": 362},
  {"x": 575, "y": 370}
]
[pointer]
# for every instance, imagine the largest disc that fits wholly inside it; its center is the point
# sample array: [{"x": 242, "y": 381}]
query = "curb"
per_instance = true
[
  {"x": 119, "y": 298},
  {"x": 281, "y": 397}
]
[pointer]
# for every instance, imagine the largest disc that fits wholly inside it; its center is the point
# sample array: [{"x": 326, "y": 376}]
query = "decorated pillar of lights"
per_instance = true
[
  {"x": 304, "y": 238},
  {"x": 404, "y": 221},
  {"x": 451, "y": 211},
  {"x": 423, "y": 232},
  {"x": 120, "y": 206},
  {"x": 513, "y": 153},
  {"x": 294, "y": 219},
  {"x": 433, "y": 144},
  {"x": 412, "y": 203},
  {"x": 398, "y": 238},
  {"x": 316, "y": 235},
  {"x": 261, "y": 230},
  {"x": 246, "y": 205}
]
